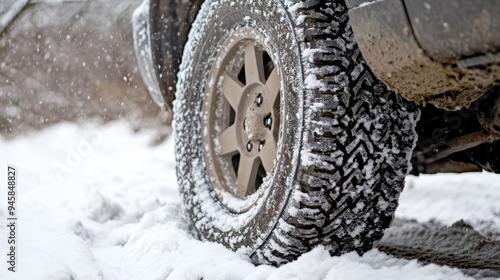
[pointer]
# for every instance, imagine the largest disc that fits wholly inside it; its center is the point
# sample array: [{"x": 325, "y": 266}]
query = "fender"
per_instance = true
[
  {"x": 161, "y": 29},
  {"x": 430, "y": 51}
]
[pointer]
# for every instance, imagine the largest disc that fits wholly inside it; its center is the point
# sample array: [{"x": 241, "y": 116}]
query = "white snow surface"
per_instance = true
[{"x": 99, "y": 202}]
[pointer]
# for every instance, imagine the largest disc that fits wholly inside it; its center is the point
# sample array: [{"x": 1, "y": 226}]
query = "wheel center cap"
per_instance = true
[{"x": 254, "y": 123}]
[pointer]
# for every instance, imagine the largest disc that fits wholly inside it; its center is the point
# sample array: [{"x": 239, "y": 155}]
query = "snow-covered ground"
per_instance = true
[{"x": 99, "y": 202}]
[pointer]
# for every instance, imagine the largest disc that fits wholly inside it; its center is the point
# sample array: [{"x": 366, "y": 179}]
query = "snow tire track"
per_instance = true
[{"x": 459, "y": 245}]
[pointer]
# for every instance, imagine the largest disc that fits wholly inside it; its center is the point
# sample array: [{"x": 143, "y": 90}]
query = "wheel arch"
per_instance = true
[
  {"x": 417, "y": 47},
  {"x": 170, "y": 23}
]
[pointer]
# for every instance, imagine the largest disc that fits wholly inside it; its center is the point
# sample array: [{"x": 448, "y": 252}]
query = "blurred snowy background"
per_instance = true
[
  {"x": 69, "y": 60},
  {"x": 97, "y": 201}
]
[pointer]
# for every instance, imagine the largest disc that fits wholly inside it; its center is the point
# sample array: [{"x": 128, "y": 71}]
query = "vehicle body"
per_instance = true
[{"x": 441, "y": 55}]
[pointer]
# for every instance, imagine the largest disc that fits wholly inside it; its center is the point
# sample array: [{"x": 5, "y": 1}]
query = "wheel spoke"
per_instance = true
[
  {"x": 232, "y": 90},
  {"x": 228, "y": 142},
  {"x": 247, "y": 175},
  {"x": 268, "y": 155},
  {"x": 273, "y": 85},
  {"x": 254, "y": 65}
]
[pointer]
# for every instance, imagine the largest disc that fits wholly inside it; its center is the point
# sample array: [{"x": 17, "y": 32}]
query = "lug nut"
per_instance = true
[
  {"x": 259, "y": 99},
  {"x": 261, "y": 145},
  {"x": 268, "y": 121},
  {"x": 249, "y": 146}
]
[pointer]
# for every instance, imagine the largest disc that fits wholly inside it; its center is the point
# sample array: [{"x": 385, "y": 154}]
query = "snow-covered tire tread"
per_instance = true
[
  {"x": 324, "y": 208},
  {"x": 356, "y": 143}
]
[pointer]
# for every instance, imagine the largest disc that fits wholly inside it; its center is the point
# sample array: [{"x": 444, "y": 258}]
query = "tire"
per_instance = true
[{"x": 343, "y": 142}]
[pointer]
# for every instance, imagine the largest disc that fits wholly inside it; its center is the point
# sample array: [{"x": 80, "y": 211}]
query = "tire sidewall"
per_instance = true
[{"x": 212, "y": 221}]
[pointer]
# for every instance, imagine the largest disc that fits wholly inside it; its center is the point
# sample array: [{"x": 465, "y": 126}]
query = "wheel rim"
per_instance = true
[{"x": 241, "y": 117}]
